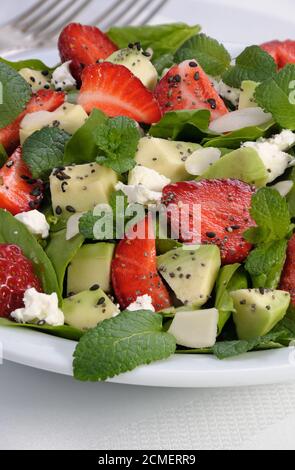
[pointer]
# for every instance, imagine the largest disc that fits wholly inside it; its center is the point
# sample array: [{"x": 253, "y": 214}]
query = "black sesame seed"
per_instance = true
[
  {"x": 193, "y": 64},
  {"x": 36, "y": 191},
  {"x": 63, "y": 184},
  {"x": 172, "y": 274},
  {"x": 212, "y": 103},
  {"x": 58, "y": 210},
  {"x": 45, "y": 73},
  {"x": 32, "y": 79},
  {"x": 94, "y": 287},
  {"x": 196, "y": 76},
  {"x": 243, "y": 302},
  {"x": 70, "y": 209},
  {"x": 210, "y": 234},
  {"x": 101, "y": 301}
]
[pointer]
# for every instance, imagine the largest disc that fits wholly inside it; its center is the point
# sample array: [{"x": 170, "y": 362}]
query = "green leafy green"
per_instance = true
[
  {"x": 252, "y": 64},
  {"x": 63, "y": 331},
  {"x": 3, "y": 155},
  {"x": 230, "y": 278},
  {"x": 234, "y": 139},
  {"x": 34, "y": 64},
  {"x": 162, "y": 38},
  {"x": 291, "y": 194},
  {"x": 15, "y": 93},
  {"x": 265, "y": 264},
  {"x": 44, "y": 150},
  {"x": 61, "y": 252},
  {"x": 212, "y": 55},
  {"x": 276, "y": 95},
  {"x": 13, "y": 231},
  {"x": 173, "y": 123},
  {"x": 120, "y": 344},
  {"x": 164, "y": 62},
  {"x": 270, "y": 211},
  {"x": 117, "y": 141},
  {"x": 81, "y": 148},
  {"x": 86, "y": 224}
]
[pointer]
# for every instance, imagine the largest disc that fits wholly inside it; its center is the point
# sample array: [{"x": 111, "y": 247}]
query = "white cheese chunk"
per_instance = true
[
  {"x": 142, "y": 302},
  {"x": 39, "y": 307},
  {"x": 62, "y": 77},
  {"x": 35, "y": 222}
]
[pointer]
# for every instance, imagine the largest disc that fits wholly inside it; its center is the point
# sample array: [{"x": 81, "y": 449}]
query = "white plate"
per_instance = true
[{"x": 54, "y": 354}]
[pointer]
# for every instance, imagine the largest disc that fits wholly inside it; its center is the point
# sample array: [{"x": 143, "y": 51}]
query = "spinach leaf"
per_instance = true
[
  {"x": 174, "y": 124},
  {"x": 63, "y": 331},
  {"x": 34, "y": 64},
  {"x": 3, "y": 155},
  {"x": 13, "y": 231}
]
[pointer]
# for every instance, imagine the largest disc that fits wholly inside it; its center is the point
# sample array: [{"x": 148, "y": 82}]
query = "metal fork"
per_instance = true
[{"x": 40, "y": 24}]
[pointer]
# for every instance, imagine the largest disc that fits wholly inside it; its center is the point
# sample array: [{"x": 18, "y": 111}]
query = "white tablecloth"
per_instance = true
[{"x": 41, "y": 410}]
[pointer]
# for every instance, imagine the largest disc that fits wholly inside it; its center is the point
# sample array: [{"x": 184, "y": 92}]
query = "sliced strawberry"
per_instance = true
[
  {"x": 288, "y": 276},
  {"x": 83, "y": 45},
  {"x": 18, "y": 191},
  {"x": 186, "y": 86},
  {"x": 283, "y": 52},
  {"x": 16, "y": 276},
  {"x": 224, "y": 206},
  {"x": 134, "y": 270},
  {"x": 116, "y": 91},
  {"x": 43, "y": 100}
]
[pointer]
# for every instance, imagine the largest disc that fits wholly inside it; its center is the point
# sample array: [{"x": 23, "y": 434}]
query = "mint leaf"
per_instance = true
[
  {"x": 174, "y": 123},
  {"x": 117, "y": 141},
  {"x": 86, "y": 225},
  {"x": 44, "y": 150},
  {"x": 120, "y": 344},
  {"x": 164, "y": 62},
  {"x": 234, "y": 139},
  {"x": 16, "y": 92},
  {"x": 14, "y": 232},
  {"x": 276, "y": 95},
  {"x": 212, "y": 55},
  {"x": 252, "y": 64},
  {"x": 162, "y": 38},
  {"x": 34, "y": 64},
  {"x": 265, "y": 264},
  {"x": 270, "y": 211},
  {"x": 81, "y": 148},
  {"x": 3, "y": 155}
]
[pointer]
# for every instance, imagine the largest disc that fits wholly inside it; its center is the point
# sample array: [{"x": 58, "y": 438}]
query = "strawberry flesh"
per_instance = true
[
  {"x": 18, "y": 191},
  {"x": 287, "y": 282},
  {"x": 283, "y": 52},
  {"x": 83, "y": 45},
  {"x": 43, "y": 100},
  {"x": 224, "y": 214},
  {"x": 186, "y": 86},
  {"x": 16, "y": 276},
  {"x": 117, "y": 92},
  {"x": 134, "y": 271}
]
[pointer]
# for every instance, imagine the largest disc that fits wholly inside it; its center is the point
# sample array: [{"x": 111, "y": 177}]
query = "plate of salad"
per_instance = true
[{"x": 146, "y": 207}]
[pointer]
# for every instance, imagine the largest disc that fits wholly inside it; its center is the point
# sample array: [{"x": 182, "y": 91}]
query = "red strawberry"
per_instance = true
[
  {"x": 283, "y": 52},
  {"x": 43, "y": 100},
  {"x": 288, "y": 276},
  {"x": 83, "y": 45},
  {"x": 18, "y": 191},
  {"x": 186, "y": 86},
  {"x": 16, "y": 276},
  {"x": 116, "y": 91},
  {"x": 224, "y": 214},
  {"x": 134, "y": 270}
]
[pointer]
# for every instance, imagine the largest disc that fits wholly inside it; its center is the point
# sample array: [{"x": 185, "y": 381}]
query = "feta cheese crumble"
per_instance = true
[
  {"x": 35, "y": 222},
  {"x": 142, "y": 302},
  {"x": 39, "y": 307},
  {"x": 62, "y": 77},
  {"x": 145, "y": 186},
  {"x": 271, "y": 152},
  {"x": 229, "y": 93}
]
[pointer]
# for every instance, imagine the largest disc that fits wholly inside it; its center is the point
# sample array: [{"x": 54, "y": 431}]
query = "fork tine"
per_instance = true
[
  {"x": 113, "y": 20},
  {"x": 62, "y": 7},
  {"x": 138, "y": 12},
  {"x": 104, "y": 15},
  {"x": 28, "y": 12},
  {"x": 67, "y": 19},
  {"x": 153, "y": 12},
  {"x": 31, "y": 24}
]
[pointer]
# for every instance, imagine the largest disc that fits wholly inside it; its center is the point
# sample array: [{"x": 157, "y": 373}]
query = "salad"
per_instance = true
[{"x": 147, "y": 196}]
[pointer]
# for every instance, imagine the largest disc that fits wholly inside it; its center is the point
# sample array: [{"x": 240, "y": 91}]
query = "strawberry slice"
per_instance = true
[
  {"x": 83, "y": 45},
  {"x": 186, "y": 86},
  {"x": 116, "y": 91},
  {"x": 18, "y": 191},
  {"x": 224, "y": 206},
  {"x": 283, "y": 52},
  {"x": 134, "y": 270},
  {"x": 43, "y": 100},
  {"x": 288, "y": 276}
]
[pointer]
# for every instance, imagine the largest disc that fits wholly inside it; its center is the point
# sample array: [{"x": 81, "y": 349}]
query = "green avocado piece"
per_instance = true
[
  {"x": 167, "y": 157},
  {"x": 257, "y": 311},
  {"x": 191, "y": 272},
  {"x": 80, "y": 188},
  {"x": 138, "y": 63},
  {"x": 246, "y": 99},
  {"x": 243, "y": 164},
  {"x": 88, "y": 308},
  {"x": 90, "y": 266}
]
